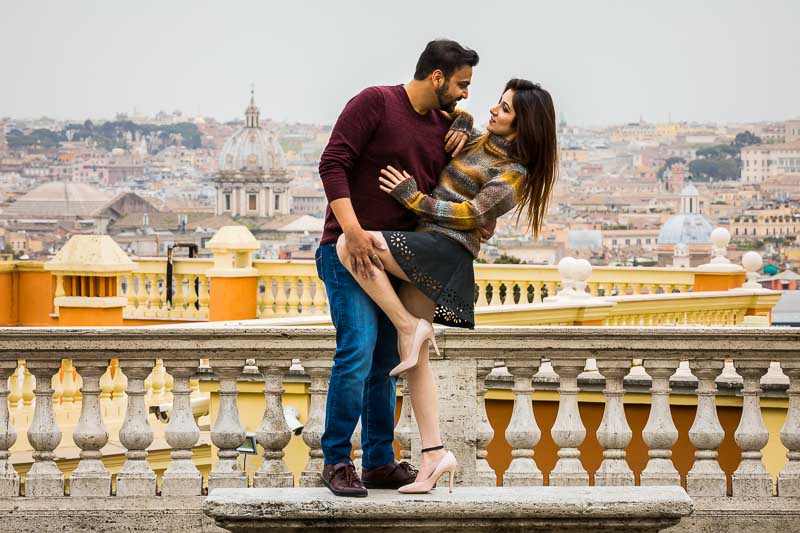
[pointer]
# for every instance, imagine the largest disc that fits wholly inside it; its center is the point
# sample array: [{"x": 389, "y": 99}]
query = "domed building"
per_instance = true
[
  {"x": 686, "y": 234},
  {"x": 59, "y": 200},
  {"x": 252, "y": 179}
]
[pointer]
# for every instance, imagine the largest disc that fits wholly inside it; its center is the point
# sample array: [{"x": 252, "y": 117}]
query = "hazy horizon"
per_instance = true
[{"x": 718, "y": 62}]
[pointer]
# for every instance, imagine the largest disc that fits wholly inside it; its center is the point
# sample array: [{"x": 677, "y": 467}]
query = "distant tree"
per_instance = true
[
  {"x": 507, "y": 260},
  {"x": 668, "y": 164},
  {"x": 717, "y": 169},
  {"x": 746, "y": 138}
]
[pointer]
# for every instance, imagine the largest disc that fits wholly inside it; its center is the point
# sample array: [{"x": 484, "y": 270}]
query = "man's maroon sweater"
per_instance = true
[{"x": 379, "y": 127}]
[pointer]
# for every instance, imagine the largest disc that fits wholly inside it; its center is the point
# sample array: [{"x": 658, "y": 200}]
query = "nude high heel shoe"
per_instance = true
[
  {"x": 448, "y": 465},
  {"x": 423, "y": 332}
]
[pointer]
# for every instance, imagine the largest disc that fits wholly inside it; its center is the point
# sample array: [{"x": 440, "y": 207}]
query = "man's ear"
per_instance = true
[{"x": 438, "y": 79}]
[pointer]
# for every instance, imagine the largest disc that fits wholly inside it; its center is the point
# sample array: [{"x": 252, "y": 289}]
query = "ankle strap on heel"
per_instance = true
[{"x": 432, "y": 449}]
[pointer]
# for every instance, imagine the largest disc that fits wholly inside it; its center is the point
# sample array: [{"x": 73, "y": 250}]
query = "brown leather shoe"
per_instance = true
[
  {"x": 389, "y": 476},
  {"x": 343, "y": 480}
]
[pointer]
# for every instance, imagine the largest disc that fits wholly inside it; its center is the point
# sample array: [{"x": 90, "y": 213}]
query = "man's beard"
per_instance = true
[{"x": 444, "y": 103}]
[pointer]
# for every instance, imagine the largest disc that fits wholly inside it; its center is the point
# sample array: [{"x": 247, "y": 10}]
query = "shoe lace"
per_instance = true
[
  {"x": 348, "y": 473},
  {"x": 407, "y": 468}
]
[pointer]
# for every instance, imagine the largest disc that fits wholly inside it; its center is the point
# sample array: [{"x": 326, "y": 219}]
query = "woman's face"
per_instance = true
[{"x": 501, "y": 116}]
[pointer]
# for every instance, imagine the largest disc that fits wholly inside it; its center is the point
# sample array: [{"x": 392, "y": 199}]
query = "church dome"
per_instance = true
[
  {"x": 251, "y": 149},
  {"x": 686, "y": 228}
]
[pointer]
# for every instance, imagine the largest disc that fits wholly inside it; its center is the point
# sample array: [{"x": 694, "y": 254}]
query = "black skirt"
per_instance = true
[{"x": 441, "y": 268}]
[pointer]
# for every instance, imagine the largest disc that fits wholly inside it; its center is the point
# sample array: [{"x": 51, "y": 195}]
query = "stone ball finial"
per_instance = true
[
  {"x": 566, "y": 267},
  {"x": 720, "y": 237},
  {"x": 752, "y": 262},
  {"x": 582, "y": 270}
]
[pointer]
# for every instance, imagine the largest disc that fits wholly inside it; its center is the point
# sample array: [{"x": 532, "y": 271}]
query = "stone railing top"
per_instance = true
[
  {"x": 488, "y": 343},
  {"x": 272, "y": 507}
]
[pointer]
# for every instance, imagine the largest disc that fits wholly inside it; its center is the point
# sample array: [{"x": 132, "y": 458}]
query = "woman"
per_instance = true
[{"x": 513, "y": 164}]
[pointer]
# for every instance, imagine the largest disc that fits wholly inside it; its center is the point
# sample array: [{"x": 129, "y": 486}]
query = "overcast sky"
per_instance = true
[{"x": 603, "y": 61}]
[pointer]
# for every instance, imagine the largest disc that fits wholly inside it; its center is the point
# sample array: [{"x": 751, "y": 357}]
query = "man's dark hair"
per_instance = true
[{"x": 445, "y": 55}]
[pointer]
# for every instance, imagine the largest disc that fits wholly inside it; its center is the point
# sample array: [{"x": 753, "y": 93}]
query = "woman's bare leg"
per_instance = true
[
  {"x": 380, "y": 289},
  {"x": 422, "y": 384}
]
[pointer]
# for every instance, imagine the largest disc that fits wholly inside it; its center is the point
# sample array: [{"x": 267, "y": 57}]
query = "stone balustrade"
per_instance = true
[
  {"x": 467, "y": 358},
  {"x": 146, "y": 290}
]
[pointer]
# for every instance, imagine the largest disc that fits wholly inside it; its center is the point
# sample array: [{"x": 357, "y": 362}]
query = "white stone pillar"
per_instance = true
[
  {"x": 614, "y": 433},
  {"x": 273, "y": 433},
  {"x": 568, "y": 431},
  {"x": 706, "y": 478},
  {"x": 660, "y": 433},
  {"x": 789, "y": 477},
  {"x": 181, "y": 478},
  {"x": 44, "y": 478},
  {"x": 228, "y": 432},
  {"x": 320, "y": 372},
  {"x": 751, "y": 479},
  {"x": 90, "y": 478},
  {"x": 523, "y": 433},
  {"x": 9, "y": 478},
  {"x": 136, "y": 478}
]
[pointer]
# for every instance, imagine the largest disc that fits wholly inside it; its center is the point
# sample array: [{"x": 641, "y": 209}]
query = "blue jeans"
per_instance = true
[{"x": 366, "y": 350}]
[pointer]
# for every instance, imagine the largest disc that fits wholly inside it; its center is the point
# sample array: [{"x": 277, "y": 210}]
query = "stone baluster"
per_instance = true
[
  {"x": 203, "y": 297},
  {"x": 706, "y": 478},
  {"x": 15, "y": 386},
  {"x": 305, "y": 296},
  {"x": 319, "y": 371},
  {"x": 482, "y": 300},
  {"x": 789, "y": 477},
  {"x": 751, "y": 479},
  {"x": 404, "y": 430},
  {"x": 156, "y": 377},
  {"x": 293, "y": 300},
  {"x": 44, "y": 478},
  {"x": 228, "y": 433},
  {"x": 181, "y": 478},
  {"x": 568, "y": 430},
  {"x": 90, "y": 478},
  {"x": 355, "y": 442},
  {"x": 660, "y": 433},
  {"x": 153, "y": 297},
  {"x": 614, "y": 433},
  {"x": 523, "y": 433},
  {"x": 269, "y": 298},
  {"x": 485, "y": 476},
  {"x": 280, "y": 296},
  {"x": 319, "y": 300},
  {"x": 136, "y": 478},
  {"x": 495, "y": 284},
  {"x": 537, "y": 291},
  {"x": 178, "y": 298},
  {"x": 274, "y": 434},
  {"x": 9, "y": 478},
  {"x": 509, "y": 292}
]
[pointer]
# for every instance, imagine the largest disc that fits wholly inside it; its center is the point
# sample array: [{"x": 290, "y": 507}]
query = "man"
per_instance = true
[{"x": 403, "y": 126}]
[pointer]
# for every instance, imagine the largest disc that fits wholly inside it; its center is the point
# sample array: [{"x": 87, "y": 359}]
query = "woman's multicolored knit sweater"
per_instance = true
[{"x": 478, "y": 186}]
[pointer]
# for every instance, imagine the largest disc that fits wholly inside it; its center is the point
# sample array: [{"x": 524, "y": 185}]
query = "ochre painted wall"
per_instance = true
[
  {"x": 36, "y": 294},
  {"x": 717, "y": 282},
  {"x": 8, "y": 299},
  {"x": 233, "y": 299},
  {"x": 89, "y": 316}
]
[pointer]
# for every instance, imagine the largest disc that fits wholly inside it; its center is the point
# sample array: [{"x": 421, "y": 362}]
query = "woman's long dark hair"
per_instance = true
[{"x": 536, "y": 147}]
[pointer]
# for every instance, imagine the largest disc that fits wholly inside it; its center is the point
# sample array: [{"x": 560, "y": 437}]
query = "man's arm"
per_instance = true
[{"x": 352, "y": 132}]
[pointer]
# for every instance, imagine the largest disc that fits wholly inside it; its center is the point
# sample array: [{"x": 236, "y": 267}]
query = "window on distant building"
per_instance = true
[
  {"x": 227, "y": 202},
  {"x": 627, "y": 241},
  {"x": 277, "y": 202},
  {"x": 251, "y": 202}
]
